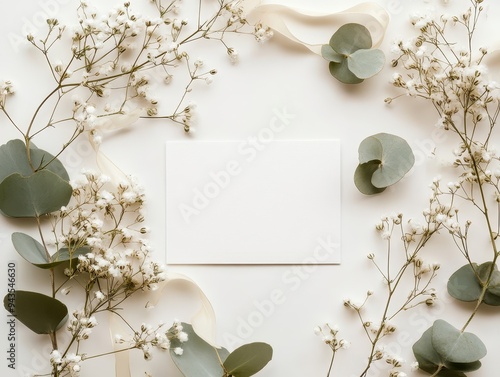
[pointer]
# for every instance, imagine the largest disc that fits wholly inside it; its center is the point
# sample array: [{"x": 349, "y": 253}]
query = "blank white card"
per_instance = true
[{"x": 249, "y": 202}]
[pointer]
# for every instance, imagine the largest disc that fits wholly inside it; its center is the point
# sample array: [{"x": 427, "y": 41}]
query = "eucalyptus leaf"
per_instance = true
[
  {"x": 464, "y": 367},
  {"x": 424, "y": 350},
  {"x": 494, "y": 285},
  {"x": 429, "y": 360},
  {"x": 248, "y": 359},
  {"x": 198, "y": 358},
  {"x": 492, "y": 295},
  {"x": 384, "y": 160},
  {"x": 483, "y": 271},
  {"x": 370, "y": 149},
  {"x": 34, "y": 252},
  {"x": 341, "y": 72},
  {"x": 366, "y": 63},
  {"x": 455, "y": 346},
  {"x": 40, "y": 313},
  {"x": 350, "y": 55},
  {"x": 363, "y": 178},
  {"x": 491, "y": 299},
  {"x": 350, "y": 38},
  {"x": 64, "y": 256},
  {"x": 396, "y": 160},
  {"x": 41, "y": 193},
  {"x": 14, "y": 158},
  {"x": 463, "y": 284},
  {"x": 330, "y": 54},
  {"x": 30, "y": 249}
]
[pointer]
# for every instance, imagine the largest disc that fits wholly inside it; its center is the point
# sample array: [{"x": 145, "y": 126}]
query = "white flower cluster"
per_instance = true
[
  {"x": 329, "y": 334},
  {"x": 6, "y": 89},
  {"x": 394, "y": 361},
  {"x": 80, "y": 326},
  {"x": 107, "y": 224},
  {"x": 263, "y": 33},
  {"x": 451, "y": 76},
  {"x": 149, "y": 337},
  {"x": 69, "y": 363}
]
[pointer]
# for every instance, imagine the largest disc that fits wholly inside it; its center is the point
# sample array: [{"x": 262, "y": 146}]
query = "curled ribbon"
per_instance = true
[{"x": 299, "y": 25}]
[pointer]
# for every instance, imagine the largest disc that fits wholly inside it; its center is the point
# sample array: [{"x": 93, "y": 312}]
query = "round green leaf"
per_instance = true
[
  {"x": 491, "y": 299},
  {"x": 198, "y": 358},
  {"x": 248, "y": 359},
  {"x": 384, "y": 160},
  {"x": 396, "y": 160},
  {"x": 341, "y": 72},
  {"x": 330, "y": 54},
  {"x": 350, "y": 38},
  {"x": 494, "y": 285},
  {"x": 14, "y": 159},
  {"x": 40, "y": 313},
  {"x": 425, "y": 352},
  {"x": 34, "y": 252},
  {"x": 464, "y": 367},
  {"x": 30, "y": 249},
  {"x": 366, "y": 63},
  {"x": 455, "y": 346},
  {"x": 483, "y": 271},
  {"x": 363, "y": 178},
  {"x": 463, "y": 284},
  {"x": 429, "y": 360},
  {"x": 370, "y": 149},
  {"x": 41, "y": 193}
]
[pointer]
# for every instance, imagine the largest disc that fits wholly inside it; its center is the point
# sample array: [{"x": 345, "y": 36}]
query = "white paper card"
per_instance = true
[{"x": 248, "y": 202}]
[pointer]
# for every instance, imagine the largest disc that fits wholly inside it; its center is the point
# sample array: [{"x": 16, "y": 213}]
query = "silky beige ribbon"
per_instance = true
[
  {"x": 299, "y": 25},
  {"x": 112, "y": 123}
]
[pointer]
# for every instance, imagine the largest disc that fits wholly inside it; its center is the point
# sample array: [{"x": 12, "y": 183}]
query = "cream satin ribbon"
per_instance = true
[
  {"x": 298, "y": 25},
  {"x": 112, "y": 123}
]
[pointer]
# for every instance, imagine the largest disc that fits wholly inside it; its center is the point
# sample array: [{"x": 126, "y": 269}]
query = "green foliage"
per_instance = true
[
  {"x": 466, "y": 284},
  {"x": 384, "y": 159},
  {"x": 15, "y": 159},
  {"x": 34, "y": 252},
  {"x": 198, "y": 358},
  {"x": 201, "y": 359},
  {"x": 41, "y": 193},
  {"x": 350, "y": 55},
  {"x": 248, "y": 359},
  {"x": 40, "y": 313},
  {"x": 448, "y": 350},
  {"x": 31, "y": 185}
]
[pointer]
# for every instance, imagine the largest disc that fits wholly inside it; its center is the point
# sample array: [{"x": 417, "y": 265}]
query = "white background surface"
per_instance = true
[{"x": 241, "y": 102}]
